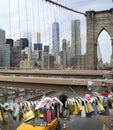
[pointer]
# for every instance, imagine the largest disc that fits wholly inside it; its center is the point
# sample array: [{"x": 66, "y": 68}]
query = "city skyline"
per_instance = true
[{"x": 21, "y": 21}]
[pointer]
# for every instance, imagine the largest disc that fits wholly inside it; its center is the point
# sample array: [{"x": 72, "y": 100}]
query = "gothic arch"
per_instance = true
[
  {"x": 100, "y": 30},
  {"x": 96, "y": 23}
]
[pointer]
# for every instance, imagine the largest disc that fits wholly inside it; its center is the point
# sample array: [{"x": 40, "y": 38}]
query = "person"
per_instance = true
[
  {"x": 105, "y": 101},
  {"x": 7, "y": 117},
  {"x": 103, "y": 87},
  {"x": 104, "y": 75},
  {"x": 104, "y": 93}
]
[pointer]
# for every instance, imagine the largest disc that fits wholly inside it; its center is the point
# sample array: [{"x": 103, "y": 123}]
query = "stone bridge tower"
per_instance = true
[{"x": 97, "y": 21}]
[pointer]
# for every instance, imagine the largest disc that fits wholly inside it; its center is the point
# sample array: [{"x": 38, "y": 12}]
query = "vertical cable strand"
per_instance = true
[
  {"x": 19, "y": 18},
  {"x": 33, "y": 19},
  {"x": 9, "y": 19}
]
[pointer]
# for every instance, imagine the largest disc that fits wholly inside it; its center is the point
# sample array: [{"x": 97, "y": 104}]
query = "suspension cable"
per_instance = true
[
  {"x": 47, "y": 14},
  {"x": 65, "y": 7},
  {"x": 26, "y": 16},
  {"x": 19, "y": 18},
  {"x": 44, "y": 29},
  {"x": 9, "y": 18},
  {"x": 33, "y": 19},
  {"x": 38, "y": 20}
]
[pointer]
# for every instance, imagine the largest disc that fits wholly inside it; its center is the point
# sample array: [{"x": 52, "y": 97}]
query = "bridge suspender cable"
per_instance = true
[
  {"x": 9, "y": 18},
  {"x": 19, "y": 18},
  {"x": 33, "y": 19},
  {"x": 65, "y": 7}
]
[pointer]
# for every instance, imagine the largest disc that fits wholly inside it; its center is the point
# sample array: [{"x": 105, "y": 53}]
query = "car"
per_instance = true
[{"x": 39, "y": 124}]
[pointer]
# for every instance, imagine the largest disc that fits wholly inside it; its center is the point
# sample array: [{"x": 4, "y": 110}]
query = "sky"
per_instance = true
[
  {"x": 20, "y": 16},
  {"x": 104, "y": 38}
]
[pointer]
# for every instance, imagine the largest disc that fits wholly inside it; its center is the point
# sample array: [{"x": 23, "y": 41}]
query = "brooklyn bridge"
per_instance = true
[{"x": 53, "y": 48}]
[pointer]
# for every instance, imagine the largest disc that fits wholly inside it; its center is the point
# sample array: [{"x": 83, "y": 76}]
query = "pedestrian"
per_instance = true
[{"x": 6, "y": 117}]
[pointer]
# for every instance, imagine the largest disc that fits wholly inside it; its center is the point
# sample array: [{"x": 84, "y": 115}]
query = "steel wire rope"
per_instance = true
[
  {"x": 26, "y": 17},
  {"x": 48, "y": 34},
  {"x": 60, "y": 21},
  {"x": 59, "y": 18},
  {"x": 62, "y": 32},
  {"x": 65, "y": 7},
  {"x": 62, "y": 25},
  {"x": 33, "y": 19},
  {"x": 38, "y": 18},
  {"x": 46, "y": 20},
  {"x": 44, "y": 32},
  {"x": 56, "y": 35},
  {"x": 9, "y": 4},
  {"x": 66, "y": 16},
  {"x": 52, "y": 20},
  {"x": 27, "y": 27},
  {"x": 47, "y": 12},
  {"x": 69, "y": 25},
  {"x": 19, "y": 19},
  {"x": 65, "y": 27}
]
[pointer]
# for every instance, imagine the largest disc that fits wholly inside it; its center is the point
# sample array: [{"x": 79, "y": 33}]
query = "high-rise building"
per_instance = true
[
  {"x": 10, "y": 42},
  {"x": 48, "y": 61},
  {"x": 24, "y": 43},
  {"x": 76, "y": 39},
  {"x": 2, "y": 36},
  {"x": 37, "y": 46},
  {"x": 5, "y": 55},
  {"x": 75, "y": 43},
  {"x": 46, "y": 49},
  {"x": 15, "y": 56},
  {"x": 64, "y": 53},
  {"x": 55, "y": 40},
  {"x": 68, "y": 55},
  {"x": 28, "y": 35},
  {"x": 38, "y": 37}
]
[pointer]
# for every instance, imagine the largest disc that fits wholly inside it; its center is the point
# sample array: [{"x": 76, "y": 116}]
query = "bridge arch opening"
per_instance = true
[
  {"x": 97, "y": 23},
  {"x": 104, "y": 49}
]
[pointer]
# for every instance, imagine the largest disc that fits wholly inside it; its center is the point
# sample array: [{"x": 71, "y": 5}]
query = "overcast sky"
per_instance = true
[{"x": 37, "y": 16}]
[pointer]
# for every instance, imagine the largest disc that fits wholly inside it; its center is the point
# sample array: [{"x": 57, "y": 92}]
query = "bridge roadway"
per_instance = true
[
  {"x": 54, "y": 73},
  {"x": 57, "y": 84},
  {"x": 58, "y": 80}
]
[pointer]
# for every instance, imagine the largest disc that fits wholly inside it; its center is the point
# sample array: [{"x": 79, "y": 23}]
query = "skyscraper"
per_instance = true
[
  {"x": 75, "y": 43},
  {"x": 2, "y": 36},
  {"x": 38, "y": 37},
  {"x": 76, "y": 40},
  {"x": 5, "y": 55},
  {"x": 55, "y": 40}
]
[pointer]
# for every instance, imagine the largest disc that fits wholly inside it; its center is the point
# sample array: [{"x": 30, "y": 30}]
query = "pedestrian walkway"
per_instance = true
[{"x": 107, "y": 120}]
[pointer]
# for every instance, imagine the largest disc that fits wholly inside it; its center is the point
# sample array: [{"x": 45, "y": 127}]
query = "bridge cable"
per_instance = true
[
  {"x": 38, "y": 20},
  {"x": 9, "y": 18},
  {"x": 47, "y": 14},
  {"x": 19, "y": 18},
  {"x": 26, "y": 16},
  {"x": 33, "y": 19},
  {"x": 65, "y": 7},
  {"x": 44, "y": 32}
]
